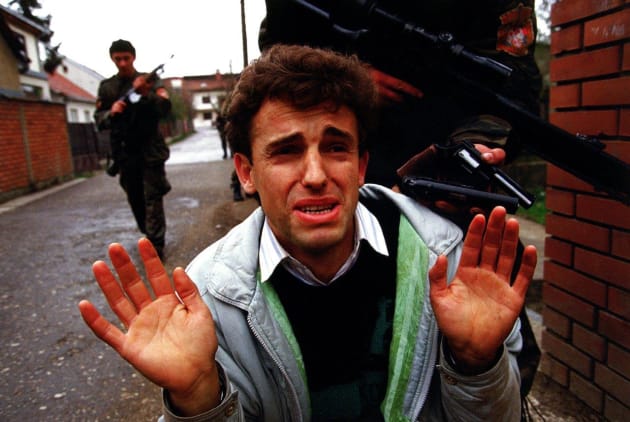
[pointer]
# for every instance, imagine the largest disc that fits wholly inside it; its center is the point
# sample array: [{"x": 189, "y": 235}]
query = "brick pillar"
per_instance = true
[{"x": 587, "y": 272}]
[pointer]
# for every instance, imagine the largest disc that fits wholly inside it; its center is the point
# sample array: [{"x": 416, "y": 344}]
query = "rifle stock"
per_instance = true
[{"x": 581, "y": 156}]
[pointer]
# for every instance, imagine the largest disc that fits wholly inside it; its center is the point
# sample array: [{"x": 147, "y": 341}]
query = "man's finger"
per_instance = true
[
  {"x": 509, "y": 244},
  {"x": 409, "y": 89},
  {"x": 492, "y": 239},
  {"x": 118, "y": 302},
  {"x": 188, "y": 292},
  {"x": 391, "y": 87},
  {"x": 526, "y": 271},
  {"x": 472, "y": 242},
  {"x": 493, "y": 156},
  {"x": 102, "y": 328},
  {"x": 156, "y": 274},
  {"x": 389, "y": 94},
  {"x": 437, "y": 275},
  {"x": 131, "y": 281}
]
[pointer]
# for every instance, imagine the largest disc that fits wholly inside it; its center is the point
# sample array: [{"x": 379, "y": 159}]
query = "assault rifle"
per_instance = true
[
  {"x": 131, "y": 95},
  {"x": 454, "y": 70}
]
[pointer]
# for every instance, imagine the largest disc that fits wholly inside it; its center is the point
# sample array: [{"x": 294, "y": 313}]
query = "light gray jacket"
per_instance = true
[{"x": 261, "y": 361}]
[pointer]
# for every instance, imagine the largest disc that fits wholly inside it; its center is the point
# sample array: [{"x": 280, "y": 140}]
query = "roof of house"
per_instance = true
[
  {"x": 16, "y": 47},
  {"x": 62, "y": 86},
  {"x": 18, "y": 19},
  {"x": 93, "y": 73}
]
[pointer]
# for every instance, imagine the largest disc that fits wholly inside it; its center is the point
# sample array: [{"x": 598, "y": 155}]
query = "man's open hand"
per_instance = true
[
  {"x": 170, "y": 338},
  {"x": 477, "y": 310}
]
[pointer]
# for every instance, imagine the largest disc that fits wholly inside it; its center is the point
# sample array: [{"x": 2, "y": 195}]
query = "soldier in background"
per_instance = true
[
  {"x": 235, "y": 184},
  {"x": 139, "y": 150}
]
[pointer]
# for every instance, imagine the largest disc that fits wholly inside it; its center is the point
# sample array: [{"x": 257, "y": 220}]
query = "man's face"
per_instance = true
[
  {"x": 124, "y": 62},
  {"x": 307, "y": 171}
]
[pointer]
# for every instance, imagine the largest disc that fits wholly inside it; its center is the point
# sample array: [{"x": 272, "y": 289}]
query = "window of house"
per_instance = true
[
  {"x": 205, "y": 99},
  {"x": 207, "y": 115},
  {"x": 32, "y": 92},
  {"x": 74, "y": 115},
  {"x": 87, "y": 116},
  {"x": 22, "y": 41}
]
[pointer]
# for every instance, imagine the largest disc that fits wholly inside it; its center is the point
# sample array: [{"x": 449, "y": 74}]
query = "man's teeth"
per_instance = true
[{"x": 317, "y": 209}]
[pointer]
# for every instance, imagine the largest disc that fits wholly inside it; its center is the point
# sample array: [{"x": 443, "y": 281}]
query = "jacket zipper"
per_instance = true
[
  {"x": 421, "y": 396},
  {"x": 295, "y": 410}
]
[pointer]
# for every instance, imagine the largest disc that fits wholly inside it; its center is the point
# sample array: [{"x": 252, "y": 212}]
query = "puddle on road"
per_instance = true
[{"x": 186, "y": 202}]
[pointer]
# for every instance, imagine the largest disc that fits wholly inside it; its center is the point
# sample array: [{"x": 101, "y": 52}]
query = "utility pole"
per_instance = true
[{"x": 244, "y": 31}]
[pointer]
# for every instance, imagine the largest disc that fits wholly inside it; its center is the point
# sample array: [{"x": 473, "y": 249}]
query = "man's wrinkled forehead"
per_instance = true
[{"x": 281, "y": 121}]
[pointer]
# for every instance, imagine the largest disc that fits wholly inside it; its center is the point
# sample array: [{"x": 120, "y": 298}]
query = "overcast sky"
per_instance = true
[{"x": 203, "y": 35}]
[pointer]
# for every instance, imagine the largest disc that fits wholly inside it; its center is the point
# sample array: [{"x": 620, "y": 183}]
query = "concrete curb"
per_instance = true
[{"x": 25, "y": 199}]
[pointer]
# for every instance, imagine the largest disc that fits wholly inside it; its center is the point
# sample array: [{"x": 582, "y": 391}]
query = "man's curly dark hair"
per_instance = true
[{"x": 305, "y": 77}]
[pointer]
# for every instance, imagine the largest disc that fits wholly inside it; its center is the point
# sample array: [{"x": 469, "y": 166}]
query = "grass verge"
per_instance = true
[{"x": 538, "y": 210}]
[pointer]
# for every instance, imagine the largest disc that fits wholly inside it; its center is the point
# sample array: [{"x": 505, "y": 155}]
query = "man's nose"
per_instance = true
[{"x": 314, "y": 170}]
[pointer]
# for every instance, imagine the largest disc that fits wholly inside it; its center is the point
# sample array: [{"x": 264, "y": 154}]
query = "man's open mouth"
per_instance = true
[{"x": 321, "y": 209}]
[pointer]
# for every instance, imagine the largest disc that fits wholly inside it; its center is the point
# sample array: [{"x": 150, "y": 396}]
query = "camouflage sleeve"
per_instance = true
[{"x": 104, "y": 100}]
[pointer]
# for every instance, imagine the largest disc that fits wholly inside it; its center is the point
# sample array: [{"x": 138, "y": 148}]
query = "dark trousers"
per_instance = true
[{"x": 145, "y": 186}]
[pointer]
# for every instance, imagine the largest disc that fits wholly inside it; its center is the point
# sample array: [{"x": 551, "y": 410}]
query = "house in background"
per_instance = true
[
  {"x": 13, "y": 60},
  {"x": 47, "y": 111},
  {"x": 22, "y": 73},
  {"x": 81, "y": 75},
  {"x": 76, "y": 86},
  {"x": 80, "y": 104},
  {"x": 34, "y": 152},
  {"x": 204, "y": 94},
  {"x": 24, "y": 39}
]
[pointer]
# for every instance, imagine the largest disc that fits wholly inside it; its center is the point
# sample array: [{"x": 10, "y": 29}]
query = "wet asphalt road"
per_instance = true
[{"x": 52, "y": 367}]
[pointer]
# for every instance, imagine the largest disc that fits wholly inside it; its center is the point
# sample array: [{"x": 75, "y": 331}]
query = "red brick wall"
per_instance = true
[
  {"x": 587, "y": 271},
  {"x": 34, "y": 147}
]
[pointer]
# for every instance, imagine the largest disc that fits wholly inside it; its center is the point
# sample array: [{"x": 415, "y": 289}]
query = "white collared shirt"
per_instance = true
[{"x": 271, "y": 253}]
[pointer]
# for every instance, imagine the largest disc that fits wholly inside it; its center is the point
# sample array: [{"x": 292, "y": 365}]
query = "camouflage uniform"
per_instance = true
[
  {"x": 503, "y": 30},
  {"x": 140, "y": 151}
]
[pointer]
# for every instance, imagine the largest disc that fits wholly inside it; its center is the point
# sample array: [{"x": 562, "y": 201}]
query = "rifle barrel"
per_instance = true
[
  {"x": 569, "y": 152},
  {"x": 580, "y": 157}
]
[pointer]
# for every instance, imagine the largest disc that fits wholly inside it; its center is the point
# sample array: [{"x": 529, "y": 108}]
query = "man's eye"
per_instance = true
[
  {"x": 338, "y": 147},
  {"x": 285, "y": 150}
]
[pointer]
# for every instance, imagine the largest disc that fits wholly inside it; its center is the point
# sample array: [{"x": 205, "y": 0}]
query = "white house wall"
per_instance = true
[
  {"x": 81, "y": 76},
  {"x": 41, "y": 83},
  {"x": 79, "y": 112},
  {"x": 202, "y": 108}
]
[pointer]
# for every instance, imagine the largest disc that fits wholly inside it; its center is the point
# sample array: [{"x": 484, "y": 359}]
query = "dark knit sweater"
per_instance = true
[{"x": 344, "y": 329}]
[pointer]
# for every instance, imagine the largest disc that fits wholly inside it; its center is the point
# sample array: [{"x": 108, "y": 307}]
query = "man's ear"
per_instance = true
[{"x": 244, "y": 168}]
